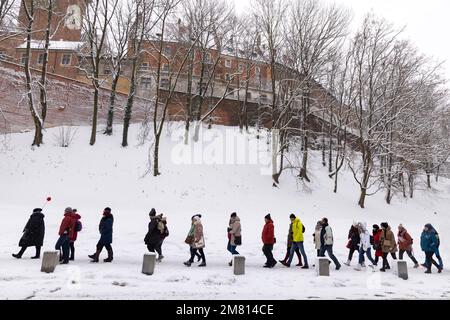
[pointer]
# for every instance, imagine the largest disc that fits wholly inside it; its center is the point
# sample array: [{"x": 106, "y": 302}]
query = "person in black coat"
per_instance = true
[
  {"x": 353, "y": 242},
  {"x": 33, "y": 234},
  {"x": 153, "y": 236},
  {"x": 106, "y": 231}
]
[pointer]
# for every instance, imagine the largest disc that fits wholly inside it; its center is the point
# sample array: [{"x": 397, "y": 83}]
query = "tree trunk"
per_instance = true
[
  {"x": 156, "y": 157},
  {"x": 362, "y": 197},
  {"x": 95, "y": 113},
  {"x": 112, "y": 101}
]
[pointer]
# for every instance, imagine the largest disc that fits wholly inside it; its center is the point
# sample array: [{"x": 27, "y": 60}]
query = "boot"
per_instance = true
[
  {"x": 19, "y": 255},
  {"x": 416, "y": 266},
  {"x": 359, "y": 267},
  {"x": 110, "y": 256},
  {"x": 347, "y": 263},
  {"x": 285, "y": 264},
  {"x": 305, "y": 267},
  {"x": 187, "y": 263},
  {"x": 285, "y": 258},
  {"x": 203, "y": 264},
  {"x": 95, "y": 256},
  {"x": 38, "y": 253},
  {"x": 428, "y": 271}
]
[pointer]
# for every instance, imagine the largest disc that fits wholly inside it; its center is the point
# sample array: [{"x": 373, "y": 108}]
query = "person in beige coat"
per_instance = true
[
  {"x": 316, "y": 236},
  {"x": 388, "y": 245},
  {"x": 196, "y": 241},
  {"x": 234, "y": 234}
]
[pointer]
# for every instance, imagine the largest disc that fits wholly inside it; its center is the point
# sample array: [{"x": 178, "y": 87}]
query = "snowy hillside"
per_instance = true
[{"x": 91, "y": 178}]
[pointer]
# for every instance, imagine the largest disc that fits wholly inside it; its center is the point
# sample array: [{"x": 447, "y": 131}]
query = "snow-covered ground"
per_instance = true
[{"x": 91, "y": 178}]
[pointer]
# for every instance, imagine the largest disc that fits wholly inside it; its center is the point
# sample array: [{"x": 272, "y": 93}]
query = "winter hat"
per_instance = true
[
  {"x": 325, "y": 220},
  {"x": 292, "y": 216},
  {"x": 233, "y": 214},
  {"x": 68, "y": 209},
  {"x": 37, "y": 210},
  {"x": 384, "y": 225},
  {"x": 74, "y": 210},
  {"x": 152, "y": 212},
  {"x": 268, "y": 217},
  {"x": 107, "y": 210}
]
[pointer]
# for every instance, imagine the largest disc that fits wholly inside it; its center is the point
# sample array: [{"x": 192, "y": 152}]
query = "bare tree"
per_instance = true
[
  {"x": 314, "y": 33},
  {"x": 119, "y": 33},
  {"x": 143, "y": 25},
  {"x": 99, "y": 14}
]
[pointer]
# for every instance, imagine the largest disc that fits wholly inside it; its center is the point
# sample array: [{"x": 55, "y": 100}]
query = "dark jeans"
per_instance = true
[
  {"x": 329, "y": 250},
  {"x": 194, "y": 253},
  {"x": 385, "y": 261},
  {"x": 350, "y": 253},
  {"x": 368, "y": 254},
  {"x": 232, "y": 248},
  {"x": 22, "y": 250},
  {"x": 63, "y": 242},
  {"x": 377, "y": 258},
  {"x": 438, "y": 256},
  {"x": 429, "y": 260},
  {"x": 409, "y": 253},
  {"x": 72, "y": 250},
  {"x": 108, "y": 248},
  {"x": 297, "y": 252},
  {"x": 154, "y": 247},
  {"x": 267, "y": 250},
  {"x": 300, "y": 246}
]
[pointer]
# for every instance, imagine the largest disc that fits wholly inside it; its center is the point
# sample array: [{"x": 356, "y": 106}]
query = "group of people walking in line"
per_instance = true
[{"x": 382, "y": 240}]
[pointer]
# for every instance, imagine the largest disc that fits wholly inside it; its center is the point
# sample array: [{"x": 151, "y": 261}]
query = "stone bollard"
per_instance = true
[
  {"x": 322, "y": 266},
  {"x": 49, "y": 261},
  {"x": 238, "y": 265},
  {"x": 148, "y": 265},
  {"x": 402, "y": 269}
]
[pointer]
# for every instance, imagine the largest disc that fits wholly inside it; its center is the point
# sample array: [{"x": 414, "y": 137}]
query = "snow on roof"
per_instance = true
[{"x": 53, "y": 45}]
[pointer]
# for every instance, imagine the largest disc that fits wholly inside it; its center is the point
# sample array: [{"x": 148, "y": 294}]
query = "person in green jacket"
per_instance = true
[{"x": 297, "y": 241}]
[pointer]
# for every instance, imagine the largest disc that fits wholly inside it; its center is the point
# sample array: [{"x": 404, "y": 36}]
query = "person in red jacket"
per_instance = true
[
  {"x": 74, "y": 233},
  {"x": 66, "y": 228},
  {"x": 268, "y": 239},
  {"x": 376, "y": 231},
  {"x": 405, "y": 242}
]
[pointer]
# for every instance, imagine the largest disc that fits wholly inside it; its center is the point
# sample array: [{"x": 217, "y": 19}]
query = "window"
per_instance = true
[
  {"x": 164, "y": 83},
  {"x": 167, "y": 51},
  {"x": 24, "y": 58},
  {"x": 263, "y": 98},
  {"x": 241, "y": 66},
  {"x": 165, "y": 67},
  {"x": 65, "y": 59},
  {"x": 106, "y": 71},
  {"x": 258, "y": 71},
  {"x": 208, "y": 59},
  {"x": 203, "y": 86},
  {"x": 227, "y": 77},
  {"x": 230, "y": 90},
  {"x": 146, "y": 83},
  {"x": 40, "y": 59},
  {"x": 228, "y": 63},
  {"x": 2, "y": 55},
  {"x": 144, "y": 66},
  {"x": 249, "y": 95}
]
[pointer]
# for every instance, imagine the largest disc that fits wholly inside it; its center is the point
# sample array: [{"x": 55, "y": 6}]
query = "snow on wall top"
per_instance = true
[{"x": 53, "y": 45}]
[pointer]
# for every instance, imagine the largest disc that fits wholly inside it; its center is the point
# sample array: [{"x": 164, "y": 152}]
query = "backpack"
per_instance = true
[{"x": 78, "y": 226}]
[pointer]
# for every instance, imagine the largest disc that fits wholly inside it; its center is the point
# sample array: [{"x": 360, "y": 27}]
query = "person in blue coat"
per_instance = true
[
  {"x": 106, "y": 231},
  {"x": 429, "y": 243}
]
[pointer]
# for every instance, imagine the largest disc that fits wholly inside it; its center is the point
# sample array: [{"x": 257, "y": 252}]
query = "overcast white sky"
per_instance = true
[{"x": 427, "y": 21}]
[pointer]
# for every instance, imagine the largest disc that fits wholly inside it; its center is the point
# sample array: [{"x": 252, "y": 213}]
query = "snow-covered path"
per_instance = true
[{"x": 91, "y": 178}]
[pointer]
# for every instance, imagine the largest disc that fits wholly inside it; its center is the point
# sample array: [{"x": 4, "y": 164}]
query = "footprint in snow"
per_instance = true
[{"x": 121, "y": 284}]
